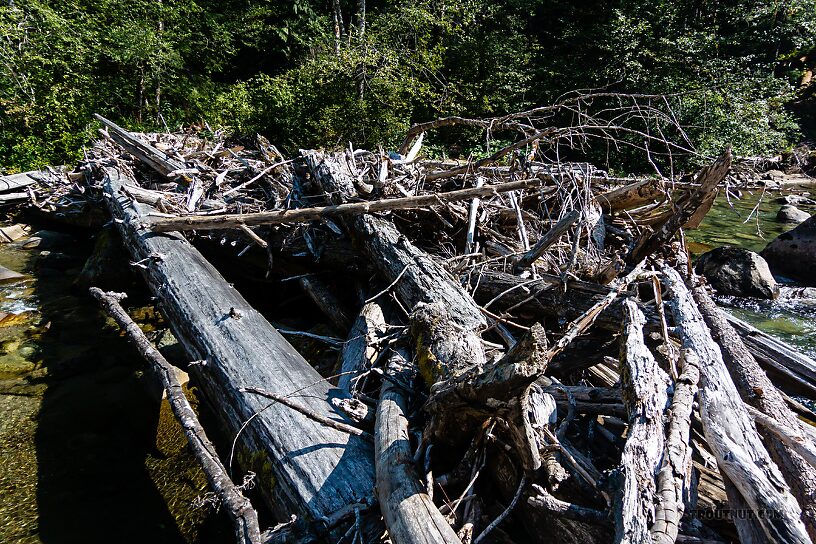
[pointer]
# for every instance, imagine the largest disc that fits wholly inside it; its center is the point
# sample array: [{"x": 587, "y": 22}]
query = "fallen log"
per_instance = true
[
  {"x": 645, "y": 387},
  {"x": 450, "y": 342},
  {"x": 729, "y": 429},
  {"x": 674, "y": 481},
  {"x": 304, "y": 467},
  {"x": 777, "y": 356},
  {"x": 759, "y": 392},
  {"x": 548, "y": 239},
  {"x": 360, "y": 350},
  {"x": 631, "y": 195},
  {"x": 410, "y": 514},
  {"x": 303, "y": 215},
  {"x": 239, "y": 509},
  {"x": 688, "y": 212}
]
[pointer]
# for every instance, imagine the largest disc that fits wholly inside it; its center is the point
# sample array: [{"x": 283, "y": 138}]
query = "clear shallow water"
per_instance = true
[
  {"x": 88, "y": 451},
  {"x": 790, "y": 319}
]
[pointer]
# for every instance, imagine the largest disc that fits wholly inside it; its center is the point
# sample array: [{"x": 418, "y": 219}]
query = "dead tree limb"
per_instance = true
[
  {"x": 645, "y": 387},
  {"x": 729, "y": 429},
  {"x": 244, "y": 518},
  {"x": 548, "y": 239},
  {"x": 303, "y": 215},
  {"x": 410, "y": 515}
]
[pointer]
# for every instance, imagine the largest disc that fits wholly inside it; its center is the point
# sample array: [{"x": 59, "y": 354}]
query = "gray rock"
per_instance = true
[
  {"x": 739, "y": 272},
  {"x": 791, "y": 214},
  {"x": 793, "y": 253},
  {"x": 796, "y": 200}
]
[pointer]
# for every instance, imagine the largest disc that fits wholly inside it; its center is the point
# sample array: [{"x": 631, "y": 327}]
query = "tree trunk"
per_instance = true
[{"x": 303, "y": 467}]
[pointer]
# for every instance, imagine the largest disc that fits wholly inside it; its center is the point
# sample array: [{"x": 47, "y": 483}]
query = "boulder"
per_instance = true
[
  {"x": 796, "y": 200},
  {"x": 739, "y": 272},
  {"x": 793, "y": 253},
  {"x": 791, "y": 214}
]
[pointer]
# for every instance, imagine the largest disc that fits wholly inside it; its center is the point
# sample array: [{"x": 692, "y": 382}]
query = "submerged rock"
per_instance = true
[
  {"x": 7, "y": 275},
  {"x": 791, "y": 214},
  {"x": 738, "y": 272},
  {"x": 793, "y": 253},
  {"x": 796, "y": 200}
]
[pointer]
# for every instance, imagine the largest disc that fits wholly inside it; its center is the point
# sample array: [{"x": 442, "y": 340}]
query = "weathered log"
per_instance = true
[
  {"x": 645, "y": 387},
  {"x": 690, "y": 211},
  {"x": 360, "y": 350},
  {"x": 631, "y": 195},
  {"x": 149, "y": 155},
  {"x": 410, "y": 515},
  {"x": 777, "y": 356},
  {"x": 17, "y": 181},
  {"x": 304, "y": 467},
  {"x": 674, "y": 477},
  {"x": 757, "y": 391},
  {"x": 303, "y": 215},
  {"x": 729, "y": 429},
  {"x": 239, "y": 509}
]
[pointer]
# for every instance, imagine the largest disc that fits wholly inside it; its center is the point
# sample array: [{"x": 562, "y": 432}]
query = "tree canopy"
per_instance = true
[{"x": 306, "y": 73}]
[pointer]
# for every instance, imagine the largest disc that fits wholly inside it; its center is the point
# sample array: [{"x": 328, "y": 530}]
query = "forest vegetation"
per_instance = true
[{"x": 307, "y": 73}]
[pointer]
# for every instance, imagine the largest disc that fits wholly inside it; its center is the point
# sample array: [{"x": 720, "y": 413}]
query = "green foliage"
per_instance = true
[{"x": 273, "y": 66}]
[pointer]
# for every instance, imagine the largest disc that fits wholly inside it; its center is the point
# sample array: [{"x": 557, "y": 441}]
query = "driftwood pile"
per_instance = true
[{"x": 524, "y": 352}]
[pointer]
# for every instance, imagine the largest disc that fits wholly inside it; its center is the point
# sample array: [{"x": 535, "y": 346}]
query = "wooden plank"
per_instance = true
[{"x": 303, "y": 467}]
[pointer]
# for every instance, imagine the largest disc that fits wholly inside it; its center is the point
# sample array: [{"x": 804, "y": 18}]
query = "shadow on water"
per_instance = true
[{"x": 80, "y": 413}]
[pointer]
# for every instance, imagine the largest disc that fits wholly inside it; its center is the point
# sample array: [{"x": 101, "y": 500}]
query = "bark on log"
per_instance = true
[
  {"x": 304, "y": 467},
  {"x": 244, "y": 518},
  {"x": 410, "y": 515},
  {"x": 729, "y": 429},
  {"x": 674, "y": 478},
  {"x": 645, "y": 394},
  {"x": 757, "y": 391}
]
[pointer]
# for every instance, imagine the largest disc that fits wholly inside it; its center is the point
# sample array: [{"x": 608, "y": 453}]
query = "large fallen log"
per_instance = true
[
  {"x": 304, "y": 467},
  {"x": 758, "y": 391},
  {"x": 730, "y": 432},
  {"x": 415, "y": 276},
  {"x": 645, "y": 387}
]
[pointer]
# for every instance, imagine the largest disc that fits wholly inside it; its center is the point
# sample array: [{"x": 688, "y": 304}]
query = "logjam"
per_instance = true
[{"x": 507, "y": 368}]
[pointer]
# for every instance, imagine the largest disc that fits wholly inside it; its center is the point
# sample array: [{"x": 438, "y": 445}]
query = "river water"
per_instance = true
[
  {"x": 750, "y": 222},
  {"x": 84, "y": 455}
]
